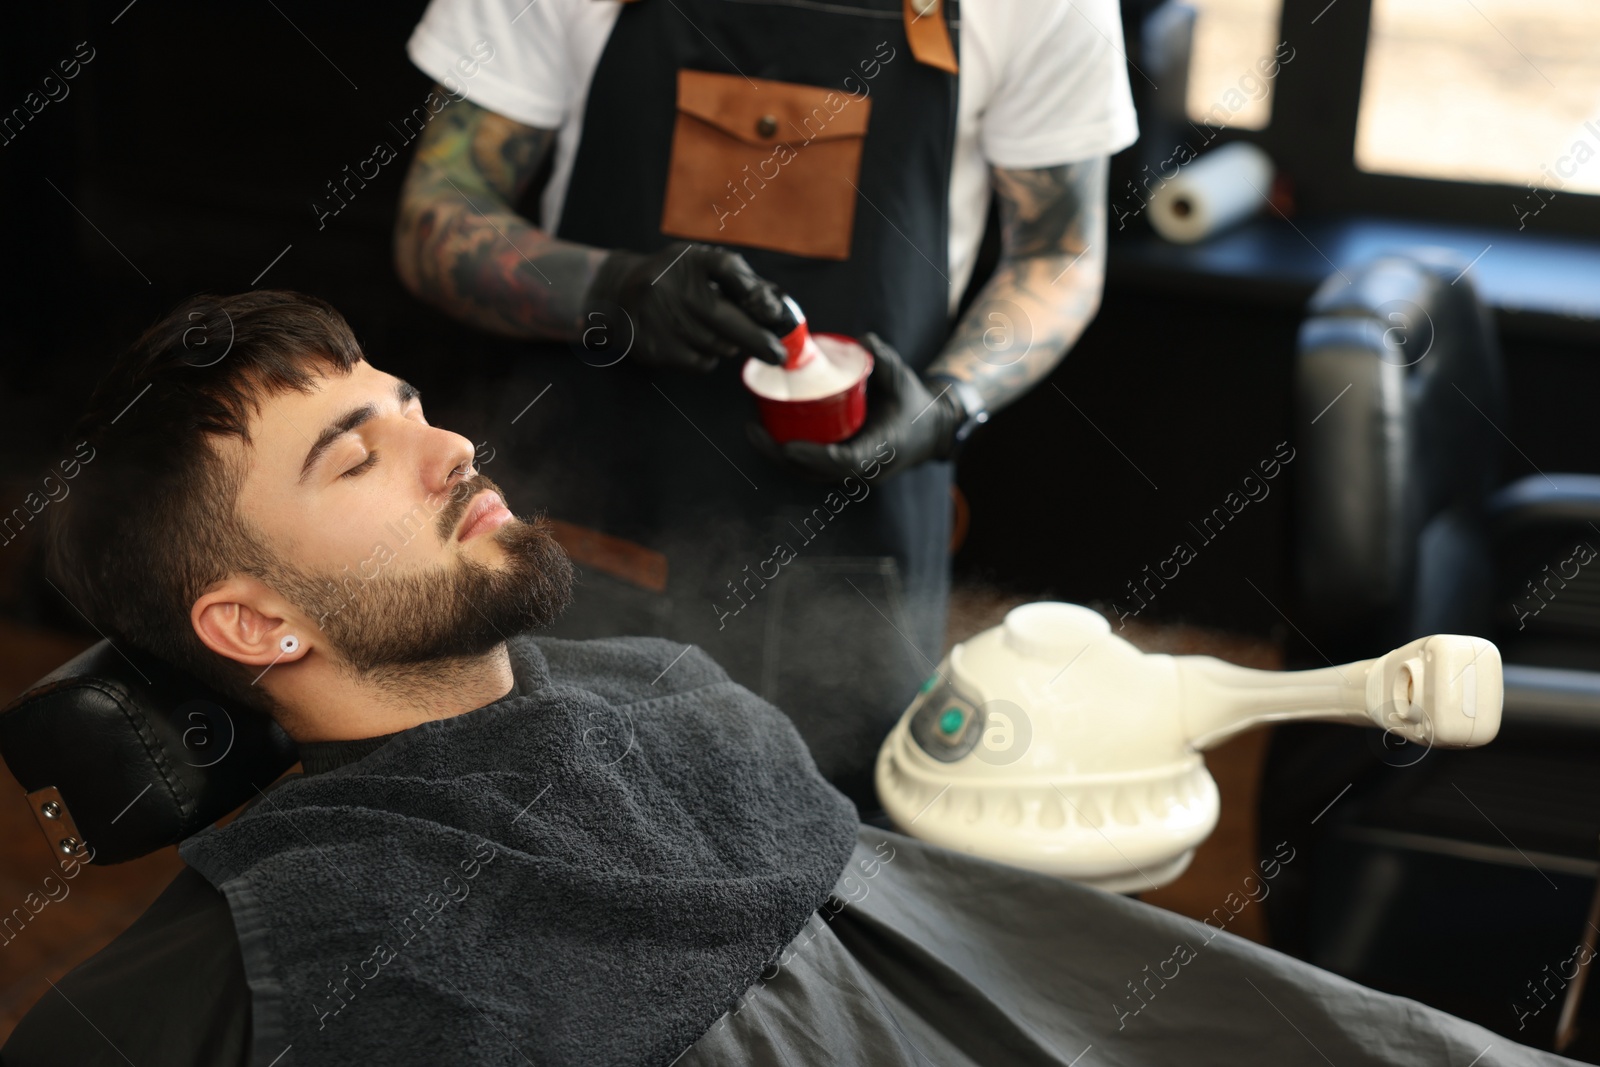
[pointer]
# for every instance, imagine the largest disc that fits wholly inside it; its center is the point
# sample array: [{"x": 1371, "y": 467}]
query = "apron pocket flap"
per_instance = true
[
  {"x": 772, "y": 165},
  {"x": 768, "y": 112}
]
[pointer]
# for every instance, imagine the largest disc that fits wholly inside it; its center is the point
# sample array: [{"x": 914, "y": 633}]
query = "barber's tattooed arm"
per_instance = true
[
  {"x": 1046, "y": 287},
  {"x": 459, "y": 245}
]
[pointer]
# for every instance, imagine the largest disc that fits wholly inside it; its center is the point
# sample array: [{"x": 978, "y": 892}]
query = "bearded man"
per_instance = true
[{"x": 511, "y": 849}]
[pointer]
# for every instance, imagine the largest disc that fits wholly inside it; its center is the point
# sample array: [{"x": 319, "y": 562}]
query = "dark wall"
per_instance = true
[
  {"x": 1164, "y": 407},
  {"x": 194, "y": 144}
]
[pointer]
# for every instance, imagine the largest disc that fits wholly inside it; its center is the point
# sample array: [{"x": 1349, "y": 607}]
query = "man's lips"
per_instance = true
[{"x": 488, "y": 512}]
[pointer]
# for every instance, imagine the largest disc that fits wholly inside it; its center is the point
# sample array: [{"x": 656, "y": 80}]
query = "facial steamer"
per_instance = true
[{"x": 1050, "y": 743}]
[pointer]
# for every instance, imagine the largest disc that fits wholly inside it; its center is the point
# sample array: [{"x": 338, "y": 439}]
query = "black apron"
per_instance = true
[{"x": 829, "y": 600}]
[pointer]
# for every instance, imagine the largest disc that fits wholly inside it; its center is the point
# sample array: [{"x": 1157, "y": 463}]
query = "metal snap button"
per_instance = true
[{"x": 767, "y": 125}]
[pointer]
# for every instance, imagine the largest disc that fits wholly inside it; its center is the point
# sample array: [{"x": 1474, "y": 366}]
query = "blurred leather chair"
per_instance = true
[
  {"x": 1401, "y": 532},
  {"x": 1398, "y": 390}
]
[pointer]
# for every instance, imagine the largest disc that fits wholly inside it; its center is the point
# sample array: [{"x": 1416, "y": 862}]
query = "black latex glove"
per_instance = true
[
  {"x": 690, "y": 305},
  {"x": 907, "y": 423}
]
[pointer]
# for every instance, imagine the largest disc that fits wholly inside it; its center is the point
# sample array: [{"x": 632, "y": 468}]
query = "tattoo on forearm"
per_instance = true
[
  {"x": 461, "y": 246},
  {"x": 1047, "y": 286}
]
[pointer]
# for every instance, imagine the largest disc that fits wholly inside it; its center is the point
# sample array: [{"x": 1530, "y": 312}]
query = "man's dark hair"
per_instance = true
[{"x": 152, "y": 522}]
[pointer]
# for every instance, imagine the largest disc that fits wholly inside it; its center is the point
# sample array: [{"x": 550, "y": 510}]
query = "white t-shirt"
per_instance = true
[{"x": 1041, "y": 83}]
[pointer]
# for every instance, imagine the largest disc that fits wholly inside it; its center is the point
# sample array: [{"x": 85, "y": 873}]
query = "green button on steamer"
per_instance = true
[{"x": 951, "y": 720}]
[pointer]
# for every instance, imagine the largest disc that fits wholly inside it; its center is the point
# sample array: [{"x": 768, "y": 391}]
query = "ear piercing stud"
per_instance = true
[{"x": 287, "y": 645}]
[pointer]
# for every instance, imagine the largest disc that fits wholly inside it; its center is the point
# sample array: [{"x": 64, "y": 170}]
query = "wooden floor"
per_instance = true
[{"x": 103, "y": 901}]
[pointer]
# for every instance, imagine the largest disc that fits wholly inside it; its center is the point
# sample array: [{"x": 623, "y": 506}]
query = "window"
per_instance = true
[
  {"x": 1234, "y": 62},
  {"x": 1494, "y": 91}
]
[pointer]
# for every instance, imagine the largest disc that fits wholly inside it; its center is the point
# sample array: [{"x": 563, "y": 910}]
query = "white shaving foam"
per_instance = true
[{"x": 838, "y": 366}]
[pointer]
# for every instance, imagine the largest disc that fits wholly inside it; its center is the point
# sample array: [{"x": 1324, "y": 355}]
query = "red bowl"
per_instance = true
[{"x": 824, "y": 419}]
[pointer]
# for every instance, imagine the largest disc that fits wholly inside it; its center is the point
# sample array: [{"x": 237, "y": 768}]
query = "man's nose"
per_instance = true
[{"x": 449, "y": 460}]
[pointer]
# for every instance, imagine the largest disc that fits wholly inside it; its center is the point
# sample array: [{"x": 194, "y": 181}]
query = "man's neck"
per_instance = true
[{"x": 324, "y": 700}]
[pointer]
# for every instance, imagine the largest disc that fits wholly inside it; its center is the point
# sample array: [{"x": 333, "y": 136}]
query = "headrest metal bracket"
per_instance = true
[{"x": 60, "y": 832}]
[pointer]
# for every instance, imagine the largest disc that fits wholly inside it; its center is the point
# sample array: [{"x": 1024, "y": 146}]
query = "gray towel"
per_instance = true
[{"x": 588, "y": 871}]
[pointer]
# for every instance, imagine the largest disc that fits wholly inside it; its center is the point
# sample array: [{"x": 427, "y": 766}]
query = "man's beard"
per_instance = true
[{"x": 462, "y": 609}]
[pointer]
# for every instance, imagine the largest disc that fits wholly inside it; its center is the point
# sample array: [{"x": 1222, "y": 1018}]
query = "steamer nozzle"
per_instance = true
[{"x": 1049, "y": 742}]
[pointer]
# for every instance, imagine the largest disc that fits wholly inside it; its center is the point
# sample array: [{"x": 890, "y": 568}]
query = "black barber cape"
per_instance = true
[{"x": 918, "y": 956}]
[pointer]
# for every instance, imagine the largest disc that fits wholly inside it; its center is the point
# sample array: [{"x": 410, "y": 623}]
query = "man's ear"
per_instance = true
[{"x": 244, "y": 620}]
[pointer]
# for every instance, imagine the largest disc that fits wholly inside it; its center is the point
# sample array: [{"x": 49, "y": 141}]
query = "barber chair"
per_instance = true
[
  {"x": 121, "y": 754},
  {"x": 1457, "y": 878}
]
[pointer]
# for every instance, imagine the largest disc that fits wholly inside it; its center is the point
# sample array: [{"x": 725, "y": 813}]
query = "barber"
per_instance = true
[{"x": 709, "y": 156}]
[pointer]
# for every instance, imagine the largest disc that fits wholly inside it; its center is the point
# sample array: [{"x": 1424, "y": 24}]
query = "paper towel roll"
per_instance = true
[{"x": 1210, "y": 194}]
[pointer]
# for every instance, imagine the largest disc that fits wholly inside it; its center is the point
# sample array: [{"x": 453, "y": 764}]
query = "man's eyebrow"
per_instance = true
[{"x": 404, "y": 391}]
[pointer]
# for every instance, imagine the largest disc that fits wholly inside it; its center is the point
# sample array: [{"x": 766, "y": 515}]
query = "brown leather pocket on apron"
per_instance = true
[{"x": 766, "y": 164}]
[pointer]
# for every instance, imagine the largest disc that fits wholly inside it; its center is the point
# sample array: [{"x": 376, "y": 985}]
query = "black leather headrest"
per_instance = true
[
  {"x": 122, "y": 754},
  {"x": 1399, "y": 392}
]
